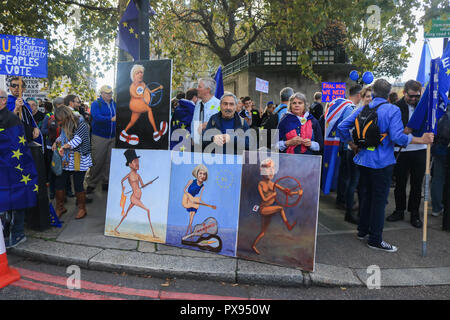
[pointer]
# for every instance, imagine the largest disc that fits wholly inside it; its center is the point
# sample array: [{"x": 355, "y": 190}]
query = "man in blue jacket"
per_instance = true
[
  {"x": 220, "y": 132},
  {"x": 103, "y": 121},
  {"x": 376, "y": 164}
]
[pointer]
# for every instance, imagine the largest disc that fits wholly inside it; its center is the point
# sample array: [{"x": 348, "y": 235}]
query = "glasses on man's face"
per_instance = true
[
  {"x": 15, "y": 85},
  {"x": 3, "y": 97},
  {"x": 416, "y": 96}
]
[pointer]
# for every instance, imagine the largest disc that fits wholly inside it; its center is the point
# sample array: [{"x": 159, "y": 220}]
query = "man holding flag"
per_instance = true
[
  {"x": 18, "y": 175},
  {"x": 430, "y": 109}
]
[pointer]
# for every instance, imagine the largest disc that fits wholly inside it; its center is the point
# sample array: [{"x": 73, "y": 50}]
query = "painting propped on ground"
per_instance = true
[
  {"x": 204, "y": 205},
  {"x": 138, "y": 194},
  {"x": 279, "y": 209}
]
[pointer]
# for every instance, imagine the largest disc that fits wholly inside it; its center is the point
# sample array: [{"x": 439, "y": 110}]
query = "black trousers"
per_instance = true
[{"x": 411, "y": 165}]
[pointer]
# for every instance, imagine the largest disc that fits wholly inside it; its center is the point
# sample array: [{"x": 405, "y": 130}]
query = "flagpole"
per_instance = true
[
  {"x": 426, "y": 199},
  {"x": 144, "y": 17}
]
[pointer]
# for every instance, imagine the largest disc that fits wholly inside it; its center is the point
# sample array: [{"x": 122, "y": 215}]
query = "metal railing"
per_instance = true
[{"x": 284, "y": 58}]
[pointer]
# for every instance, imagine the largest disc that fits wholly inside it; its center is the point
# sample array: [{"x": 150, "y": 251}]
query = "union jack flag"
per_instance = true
[{"x": 333, "y": 117}]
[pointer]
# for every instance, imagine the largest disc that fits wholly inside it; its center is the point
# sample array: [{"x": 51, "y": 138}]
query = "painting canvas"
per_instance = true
[
  {"x": 279, "y": 209},
  {"x": 204, "y": 203},
  {"x": 143, "y": 104},
  {"x": 138, "y": 194}
]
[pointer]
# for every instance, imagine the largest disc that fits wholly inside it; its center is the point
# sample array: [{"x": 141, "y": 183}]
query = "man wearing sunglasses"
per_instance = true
[
  {"x": 410, "y": 163},
  {"x": 15, "y": 103}
]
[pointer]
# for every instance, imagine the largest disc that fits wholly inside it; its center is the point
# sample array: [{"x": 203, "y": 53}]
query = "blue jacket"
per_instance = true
[
  {"x": 390, "y": 122},
  {"x": 101, "y": 114},
  {"x": 215, "y": 122},
  {"x": 181, "y": 119}
]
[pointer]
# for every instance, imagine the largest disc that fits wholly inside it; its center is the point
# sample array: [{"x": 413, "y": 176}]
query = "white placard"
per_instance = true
[{"x": 262, "y": 85}]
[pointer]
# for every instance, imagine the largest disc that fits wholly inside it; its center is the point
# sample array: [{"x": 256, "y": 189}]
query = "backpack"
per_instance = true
[
  {"x": 367, "y": 133},
  {"x": 282, "y": 108}
]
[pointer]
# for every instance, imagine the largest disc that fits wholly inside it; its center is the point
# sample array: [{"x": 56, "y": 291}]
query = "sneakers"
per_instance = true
[
  {"x": 383, "y": 246},
  {"x": 437, "y": 214},
  {"x": 15, "y": 242},
  {"x": 362, "y": 237}
]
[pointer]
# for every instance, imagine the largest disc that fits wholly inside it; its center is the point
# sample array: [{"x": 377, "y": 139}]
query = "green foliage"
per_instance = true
[{"x": 71, "y": 28}]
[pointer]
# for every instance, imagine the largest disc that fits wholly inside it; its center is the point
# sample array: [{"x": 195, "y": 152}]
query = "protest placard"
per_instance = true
[
  {"x": 23, "y": 56},
  {"x": 332, "y": 90}
]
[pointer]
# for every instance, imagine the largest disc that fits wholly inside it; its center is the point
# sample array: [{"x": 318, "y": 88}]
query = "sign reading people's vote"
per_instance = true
[
  {"x": 332, "y": 90},
  {"x": 23, "y": 56}
]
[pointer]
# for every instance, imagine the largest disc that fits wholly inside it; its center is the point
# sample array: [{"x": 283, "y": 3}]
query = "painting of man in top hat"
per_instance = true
[{"x": 138, "y": 196}]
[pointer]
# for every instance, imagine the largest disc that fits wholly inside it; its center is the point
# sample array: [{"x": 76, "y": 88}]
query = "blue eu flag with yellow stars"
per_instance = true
[
  {"x": 18, "y": 175},
  {"x": 128, "y": 37}
]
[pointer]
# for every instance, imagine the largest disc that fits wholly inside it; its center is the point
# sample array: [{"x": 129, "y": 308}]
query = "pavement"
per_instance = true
[{"x": 341, "y": 259}]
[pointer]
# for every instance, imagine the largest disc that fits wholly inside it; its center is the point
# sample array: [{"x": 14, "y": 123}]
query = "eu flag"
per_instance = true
[
  {"x": 219, "y": 83},
  {"x": 434, "y": 101},
  {"x": 18, "y": 175},
  {"x": 423, "y": 74},
  {"x": 128, "y": 37}
]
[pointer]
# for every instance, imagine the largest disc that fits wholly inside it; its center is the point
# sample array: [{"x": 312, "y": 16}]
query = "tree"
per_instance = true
[{"x": 71, "y": 28}]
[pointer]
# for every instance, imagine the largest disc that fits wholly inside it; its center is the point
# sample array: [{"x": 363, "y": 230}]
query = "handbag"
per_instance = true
[{"x": 56, "y": 163}]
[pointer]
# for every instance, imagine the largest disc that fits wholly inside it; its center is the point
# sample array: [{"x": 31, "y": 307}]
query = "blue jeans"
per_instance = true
[
  {"x": 353, "y": 181},
  {"x": 13, "y": 223},
  {"x": 437, "y": 183},
  {"x": 374, "y": 190}
]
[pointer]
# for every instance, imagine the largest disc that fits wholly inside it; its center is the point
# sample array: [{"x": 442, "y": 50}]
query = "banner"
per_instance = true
[{"x": 23, "y": 56}]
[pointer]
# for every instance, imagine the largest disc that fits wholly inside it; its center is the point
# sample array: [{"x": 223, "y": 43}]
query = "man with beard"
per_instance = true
[{"x": 410, "y": 163}]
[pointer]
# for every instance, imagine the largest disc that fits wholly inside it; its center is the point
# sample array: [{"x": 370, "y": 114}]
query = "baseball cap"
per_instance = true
[{"x": 105, "y": 89}]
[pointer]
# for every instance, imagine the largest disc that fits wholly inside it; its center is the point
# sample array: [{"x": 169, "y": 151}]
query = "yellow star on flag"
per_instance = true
[
  {"x": 22, "y": 140},
  {"x": 326, "y": 164},
  {"x": 36, "y": 188},
  {"x": 182, "y": 149},
  {"x": 136, "y": 35},
  {"x": 1, "y": 129},
  {"x": 131, "y": 30},
  {"x": 125, "y": 24},
  {"x": 448, "y": 72},
  {"x": 25, "y": 179},
  {"x": 183, "y": 126},
  {"x": 18, "y": 167},
  {"x": 17, "y": 154}
]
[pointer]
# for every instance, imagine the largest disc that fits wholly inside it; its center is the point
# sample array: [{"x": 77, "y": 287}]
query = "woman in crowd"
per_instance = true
[
  {"x": 299, "y": 131},
  {"x": 74, "y": 147},
  {"x": 366, "y": 96}
]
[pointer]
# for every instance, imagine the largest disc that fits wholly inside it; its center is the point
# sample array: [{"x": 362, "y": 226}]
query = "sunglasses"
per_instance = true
[
  {"x": 417, "y": 96},
  {"x": 16, "y": 86}
]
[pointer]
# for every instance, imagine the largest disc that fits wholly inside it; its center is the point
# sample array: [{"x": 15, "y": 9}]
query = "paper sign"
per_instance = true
[
  {"x": 262, "y": 85},
  {"x": 23, "y": 56},
  {"x": 332, "y": 90}
]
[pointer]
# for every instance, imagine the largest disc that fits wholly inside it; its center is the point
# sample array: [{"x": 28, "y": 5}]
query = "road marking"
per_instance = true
[
  {"x": 87, "y": 285},
  {"x": 29, "y": 285}
]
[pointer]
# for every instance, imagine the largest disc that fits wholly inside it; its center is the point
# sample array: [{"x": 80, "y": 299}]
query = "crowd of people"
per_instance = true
[{"x": 84, "y": 138}]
